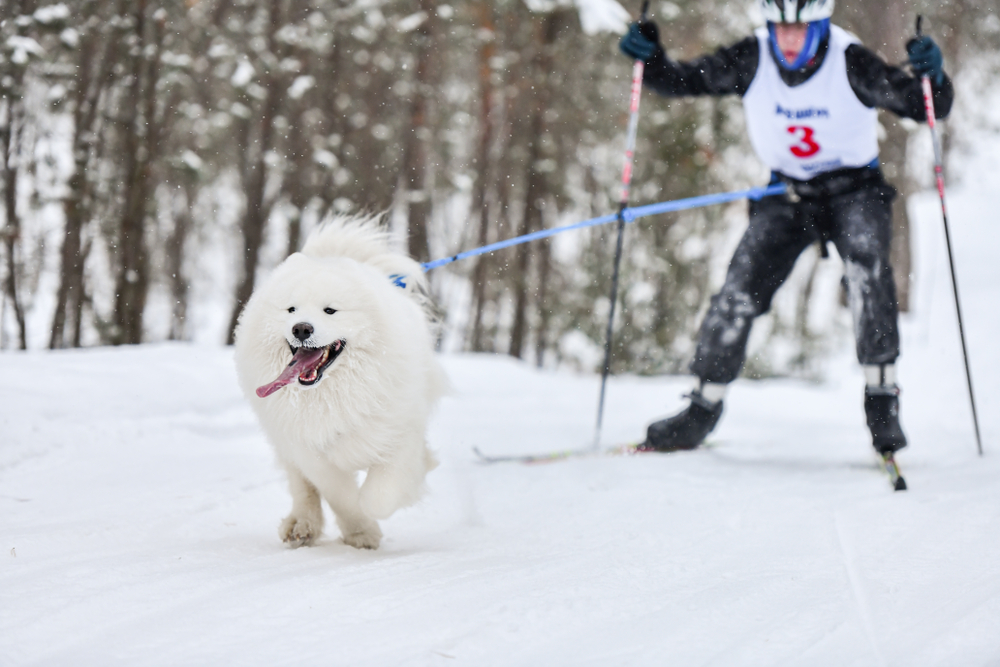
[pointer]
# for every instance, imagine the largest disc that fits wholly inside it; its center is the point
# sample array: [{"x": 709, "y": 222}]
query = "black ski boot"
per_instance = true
[
  {"x": 686, "y": 430},
  {"x": 882, "y": 410}
]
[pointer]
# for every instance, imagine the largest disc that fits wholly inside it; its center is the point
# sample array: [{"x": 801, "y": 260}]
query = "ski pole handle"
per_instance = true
[
  {"x": 929, "y": 109},
  {"x": 633, "y": 124},
  {"x": 633, "y": 121},
  {"x": 925, "y": 82}
]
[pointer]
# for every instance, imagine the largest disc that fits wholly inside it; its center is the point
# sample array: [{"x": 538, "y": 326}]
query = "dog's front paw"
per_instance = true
[
  {"x": 299, "y": 532},
  {"x": 367, "y": 538}
]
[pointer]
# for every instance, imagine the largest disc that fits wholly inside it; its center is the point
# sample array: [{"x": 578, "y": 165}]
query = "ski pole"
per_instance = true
[
  {"x": 633, "y": 124},
  {"x": 939, "y": 177}
]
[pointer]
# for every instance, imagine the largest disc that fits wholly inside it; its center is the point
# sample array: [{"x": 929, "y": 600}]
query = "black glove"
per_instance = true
[
  {"x": 926, "y": 58},
  {"x": 641, "y": 41}
]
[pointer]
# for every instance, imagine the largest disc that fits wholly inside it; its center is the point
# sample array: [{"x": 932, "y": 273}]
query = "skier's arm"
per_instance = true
[
  {"x": 728, "y": 71},
  {"x": 880, "y": 85}
]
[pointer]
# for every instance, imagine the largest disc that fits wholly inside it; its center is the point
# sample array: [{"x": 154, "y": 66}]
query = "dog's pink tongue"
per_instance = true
[{"x": 301, "y": 361}]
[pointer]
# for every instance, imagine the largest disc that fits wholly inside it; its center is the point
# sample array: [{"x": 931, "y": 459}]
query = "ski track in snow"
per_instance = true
[
  {"x": 139, "y": 503},
  {"x": 860, "y": 597}
]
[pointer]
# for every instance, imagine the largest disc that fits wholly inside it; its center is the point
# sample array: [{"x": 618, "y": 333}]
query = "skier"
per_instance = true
[{"x": 810, "y": 93}]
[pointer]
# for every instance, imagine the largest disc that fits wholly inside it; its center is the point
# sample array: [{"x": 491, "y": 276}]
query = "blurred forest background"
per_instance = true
[{"x": 159, "y": 158}]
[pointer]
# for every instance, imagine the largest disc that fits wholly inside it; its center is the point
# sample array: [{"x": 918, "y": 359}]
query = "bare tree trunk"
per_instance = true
[
  {"x": 487, "y": 340},
  {"x": 893, "y": 26},
  {"x": 900, "y": 253},
  {"x": 530, "y": 222},
  {"x": 544, "y": 307},
  {"x": 254, "y": 220},
  {"x": 79, "y": 299},
  {"x": 255, "y": 180},
  {"x": 9, "y": 132},
  {"x": 535, "y": 185},
  {"x": 89, "y": 85},
  {"x": 300, "y": 184},
  {"x": 296, "y": 186},
  {"x": 175, "y": 251},
  {"x": 484, "y": 170},
  {"x": 416, "y": 149},
  {"x": 294, "y": 231},
  {"x": 71, "y": 259},
  {"x": 132, "y": 283}
]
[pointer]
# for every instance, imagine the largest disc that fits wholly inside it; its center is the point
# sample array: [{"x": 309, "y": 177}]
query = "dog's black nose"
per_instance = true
[{"x": 302, "y": 330}]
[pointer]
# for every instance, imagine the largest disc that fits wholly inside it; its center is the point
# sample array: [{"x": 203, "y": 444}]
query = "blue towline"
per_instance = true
[{"x": 628, "y": 215}]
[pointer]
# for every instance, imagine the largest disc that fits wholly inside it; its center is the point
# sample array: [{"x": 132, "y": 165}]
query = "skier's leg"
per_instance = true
[
  {"x": 862, "y": 232},
  {"x": 776, "y": 235},
  {"x": 882, "y": 408},
  {"x": 688, "y": 428}
]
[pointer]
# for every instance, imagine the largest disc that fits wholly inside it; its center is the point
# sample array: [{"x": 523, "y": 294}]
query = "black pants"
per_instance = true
[{"x": 851, "y": 208}]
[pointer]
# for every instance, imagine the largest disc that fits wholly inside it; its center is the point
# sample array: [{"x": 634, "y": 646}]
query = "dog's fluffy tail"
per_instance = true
[{"x": 365, "y": 239}]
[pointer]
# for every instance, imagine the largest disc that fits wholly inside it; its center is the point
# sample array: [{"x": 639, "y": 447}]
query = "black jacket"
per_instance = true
[{"x": 730, "y": 70}]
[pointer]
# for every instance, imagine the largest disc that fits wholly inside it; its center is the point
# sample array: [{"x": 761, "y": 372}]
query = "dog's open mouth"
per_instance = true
[{"x": 307, "y": 366}]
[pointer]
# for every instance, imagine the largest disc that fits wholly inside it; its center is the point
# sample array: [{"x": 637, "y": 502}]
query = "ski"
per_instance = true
[
  {"x": 889, "y": 464},
  {"x": 892, "y": 468},
  {"x": 558, "y": 455}
]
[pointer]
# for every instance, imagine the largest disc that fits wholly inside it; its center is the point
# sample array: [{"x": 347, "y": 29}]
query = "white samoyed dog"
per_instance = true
[{"x": 335, "y": 353}]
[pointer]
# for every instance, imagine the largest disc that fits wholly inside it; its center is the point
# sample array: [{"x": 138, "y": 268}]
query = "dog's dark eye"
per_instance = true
[
  {"x": 329, "y": 311},
  {"x": 292, "y": 309}
]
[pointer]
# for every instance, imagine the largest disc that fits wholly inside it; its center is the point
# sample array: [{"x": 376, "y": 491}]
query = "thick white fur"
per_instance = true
[{"x": 369, "y": 411}]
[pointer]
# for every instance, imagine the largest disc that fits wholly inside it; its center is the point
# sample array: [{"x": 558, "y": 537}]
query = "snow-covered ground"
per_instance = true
[{"x": 139, "y": 504}]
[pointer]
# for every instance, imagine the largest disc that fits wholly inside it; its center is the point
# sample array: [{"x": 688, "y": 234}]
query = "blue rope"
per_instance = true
[{"x": 629, "y": 214}]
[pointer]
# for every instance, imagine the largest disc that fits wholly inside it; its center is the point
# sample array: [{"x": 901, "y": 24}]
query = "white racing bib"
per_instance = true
[{"x": 815, "y": 127}]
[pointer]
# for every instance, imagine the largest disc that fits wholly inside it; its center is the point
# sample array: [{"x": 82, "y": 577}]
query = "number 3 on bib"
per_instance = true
[{"x": 807, "y": 146}]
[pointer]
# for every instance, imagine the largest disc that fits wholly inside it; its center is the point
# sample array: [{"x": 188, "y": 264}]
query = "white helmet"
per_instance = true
[{"x": 796, "y": 11}]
